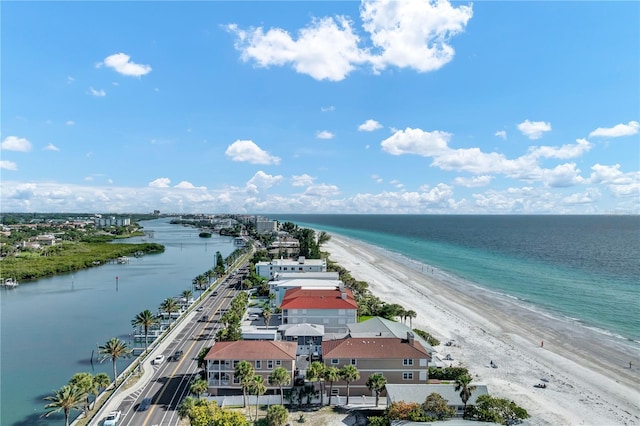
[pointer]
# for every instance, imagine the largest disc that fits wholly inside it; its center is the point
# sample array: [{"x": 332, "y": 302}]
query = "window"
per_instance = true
[
  {"x": 278, "y": 363},
  {"x": 258, "y": 365},
  {"x": 236, "y": 380},
  {"x": 407, "y": 361},
  {"x": 235, "y": 363},
  {"x": 341, "y": 312},
  {"x": 407, "y": 376},
  {"x": 270, "y": 364},
  {"x": 354, "y": 361},
  {"x": 334, "y": 361}
]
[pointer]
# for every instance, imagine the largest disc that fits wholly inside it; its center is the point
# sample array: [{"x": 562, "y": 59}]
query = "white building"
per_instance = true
[
  {"x": 334, "y": 309},
  {"x": 269, "y": 269},
  {"x": 279, "y": 288},
  {"x": 266, "y": 226}
]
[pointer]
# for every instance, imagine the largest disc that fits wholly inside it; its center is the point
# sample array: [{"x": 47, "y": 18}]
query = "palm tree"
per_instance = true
[
  {"x": 101, "y": 381},
  {"x": 186, "y": 405},
  {"x": 349, "y": 373},
  {"x": 280, "y": 377},
  {"x": 169, "y": 305},
  {"x": 462, "y": 385},
  {"x": 376, "y": 382},
  {"x": 209, "y": 274},
  {"x": 244, "y": 372},
  {"x": 331, "y": 374},
  {"x": 86, "y": 384},
  {"x": 257, "y": 388},
  {"x": 69, "y": 397},
  {"x": 146, "y": 320},
  {"x": 114, "y": 349},
  {"x": 266, "y": 313},
  {"x": 316, "y": 372},
  {"x": 411, "y": 314},
  {"x": 198, "y": 387},
  {"x": 186, "y": 294}
]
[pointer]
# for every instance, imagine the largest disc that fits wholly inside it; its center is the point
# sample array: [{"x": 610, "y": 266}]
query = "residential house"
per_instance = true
[
  {"x": 264, "y": 355},
  {"x": 268, "y": 269},
  {"x": 334, "y": 309},
  {"x": 308, "y": 337},
  {"x": 419, "y": 392},
  {"x": 382, "y": 327},
  {"x": 398, "y": 360},
  {"x": 279, "y": 287}
]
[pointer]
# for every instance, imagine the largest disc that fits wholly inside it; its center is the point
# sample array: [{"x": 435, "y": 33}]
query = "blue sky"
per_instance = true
[{"x": 321, "y": 107}]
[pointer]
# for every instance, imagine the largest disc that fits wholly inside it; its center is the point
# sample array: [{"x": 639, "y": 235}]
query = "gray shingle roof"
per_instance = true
[{"x": 382, "y": 327}]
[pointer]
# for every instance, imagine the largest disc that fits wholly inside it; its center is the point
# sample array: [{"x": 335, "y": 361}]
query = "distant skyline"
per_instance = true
[{"x": 321, "y": 107}]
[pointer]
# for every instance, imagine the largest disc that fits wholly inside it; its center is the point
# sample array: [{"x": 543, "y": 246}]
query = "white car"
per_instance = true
[
  {"x": 158, "y": 360},
  {"x": 112, "y": 418}
]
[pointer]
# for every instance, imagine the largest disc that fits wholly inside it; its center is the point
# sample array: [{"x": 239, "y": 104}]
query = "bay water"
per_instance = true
[
  {"x": 50, "y": 328},
  {"x": 586, "y": 268}
]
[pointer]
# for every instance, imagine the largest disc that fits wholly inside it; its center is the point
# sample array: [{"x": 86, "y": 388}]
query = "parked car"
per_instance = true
[
  {"x": 177, "y": 355},
  {"x": 144, "y": 404},
  {"x": 158, "y": 359},
  {"x": 112, "y": 418}
]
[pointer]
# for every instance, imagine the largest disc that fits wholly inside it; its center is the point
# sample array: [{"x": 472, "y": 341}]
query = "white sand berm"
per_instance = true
[{"x": 590, "y": 382}]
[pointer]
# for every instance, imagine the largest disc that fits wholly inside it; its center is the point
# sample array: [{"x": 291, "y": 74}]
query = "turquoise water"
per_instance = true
[
  {"x": 50, "y": 327},
  {"x": 585, "y": 268}
]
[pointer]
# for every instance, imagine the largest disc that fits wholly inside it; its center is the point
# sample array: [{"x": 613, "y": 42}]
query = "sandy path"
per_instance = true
[{"x": 590, "y": 379}]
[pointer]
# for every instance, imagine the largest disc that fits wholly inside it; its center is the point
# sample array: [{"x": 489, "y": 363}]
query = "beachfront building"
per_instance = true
[
  {"x": 267, "y": 269},
  {"x": 223, "y": 357},
  {"x": 334, "y": 309},
  {"x": 279, "y": 287},
  {"x": 266, "y": 226},
  {"x": 398, "y": 360},
  {"x": 418, "y": 393},
  {"x": 308, "y": 337}
]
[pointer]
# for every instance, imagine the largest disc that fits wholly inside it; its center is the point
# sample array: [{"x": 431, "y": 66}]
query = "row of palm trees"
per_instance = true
[{"x": 75, "y": 395}]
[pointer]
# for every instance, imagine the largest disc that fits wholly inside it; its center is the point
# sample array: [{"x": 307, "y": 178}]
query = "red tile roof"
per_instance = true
[
  {"x": 373, "y": 347},
  {"x": 250, "y": 350},
  {"x": 303, "y": 298}
]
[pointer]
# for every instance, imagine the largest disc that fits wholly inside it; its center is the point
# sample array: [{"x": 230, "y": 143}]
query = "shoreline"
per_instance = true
[{"x": 590, "y": 378}]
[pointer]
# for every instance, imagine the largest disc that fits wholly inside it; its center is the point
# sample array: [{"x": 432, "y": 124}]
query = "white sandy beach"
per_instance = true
[{"x": 590, "y": 382}]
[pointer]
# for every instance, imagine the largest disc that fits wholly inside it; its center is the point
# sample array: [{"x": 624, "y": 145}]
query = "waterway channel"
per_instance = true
[{"x": 50, "y": 328}]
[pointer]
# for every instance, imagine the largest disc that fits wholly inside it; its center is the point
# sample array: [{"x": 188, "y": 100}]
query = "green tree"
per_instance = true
[
  {"x": 257, "y": 388},
  {"x": 376, "y": 383},
  {"x": 169, "y": 305},
  {"x": 498, "y": 410},
  {"x": 411, "y": 314},
  {"x": 277, "y": 415},
  {"x": 244, "y": 372},
  {"x": 331, "y": 375},
  {"x": 198, "y": 386},
  {"x": 146, "y": 320},
  {"x": 186, "y": 295},
  {"x": 185, "y": 407},
  {"x": 280, "y": 377},
  {"x": 68, "y": 398},
  {"x": 435, "y": 405},
  {"x": 114, "y": 349},
  {"x": 102, "y": 381},
  {"x": 401, "y": 410},
  {"x": 349, "y": 373},
  {"x": 315, "y": 372},
  {"x": 463, "y": 385},
  {"x": 266, "y": 313}
]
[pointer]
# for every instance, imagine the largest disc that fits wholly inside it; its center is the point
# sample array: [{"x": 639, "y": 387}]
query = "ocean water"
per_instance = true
[{"x": 582, "y": 267}]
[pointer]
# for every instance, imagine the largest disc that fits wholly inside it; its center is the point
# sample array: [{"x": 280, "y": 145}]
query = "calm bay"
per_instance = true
[{"x": 50, "y": 328}]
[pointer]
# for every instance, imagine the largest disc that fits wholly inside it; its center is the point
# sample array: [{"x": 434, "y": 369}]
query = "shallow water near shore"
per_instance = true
[
  {"x": 50, "y": 328},
  {"x": 583, "y": 268}
]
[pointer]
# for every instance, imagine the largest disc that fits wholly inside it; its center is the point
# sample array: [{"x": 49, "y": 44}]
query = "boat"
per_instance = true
[
  {"x": 10, "y": 283},
  {"x": 123, "y": 259}
]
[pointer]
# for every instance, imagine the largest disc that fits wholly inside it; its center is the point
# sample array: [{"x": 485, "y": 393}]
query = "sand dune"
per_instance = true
[{"x": 590, "y": 382}]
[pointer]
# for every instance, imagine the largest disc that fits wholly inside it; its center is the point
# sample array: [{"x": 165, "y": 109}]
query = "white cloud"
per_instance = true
[
  {"x": 51, "y": 147},
  {"x": 329, "y": 108},
  {"x": 8, "y": 165},
  {"x": 262, "y": 181},
  {"x": 404, "y": 34},
  {"x": 501, "y": 134},
  {"x": 160, "y": 183},
  {"x": 99, "y": 93},
  {"x": 70, "y": 80},
  {"x": 188, "y": 185},
  {"x": 473, "y": 182},
  {"x": 619, "y": 183},
  {"x": 248, "y": 151},
  {"x": 377, "y": 178},
  {"x": 369, "y": 126},
  {"x": 302, "y": 180},
  {"x": 416, "y": 141},
  {"x": 70, "y": 123},
  {"x": 325, "y": 134},
  {"x": 322, "y": 190},
  {"x": 616, "y": 131},
  {"x": 588, "y": 197},
  {"x": 534, "y": 129},
  {"x": 563, "y": 176},
  {"x": 14, "y": 143},
  {"x": 565, "y": 151},
  {"x": 122, "y": 64}
]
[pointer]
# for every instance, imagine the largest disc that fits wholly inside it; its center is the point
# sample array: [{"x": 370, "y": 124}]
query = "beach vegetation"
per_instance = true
[
  {"x": 497, "y": 410},
  {"x": 432, "y": 341},
  {"x": 401, "y": 410},
  {"x": 198, "y": 386},
  {"x": 208, "y": 413},
  {"x": 447, "y": 373},
  {"x": 67, "y": 398},
  {"x": 435, "y": 406}
]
